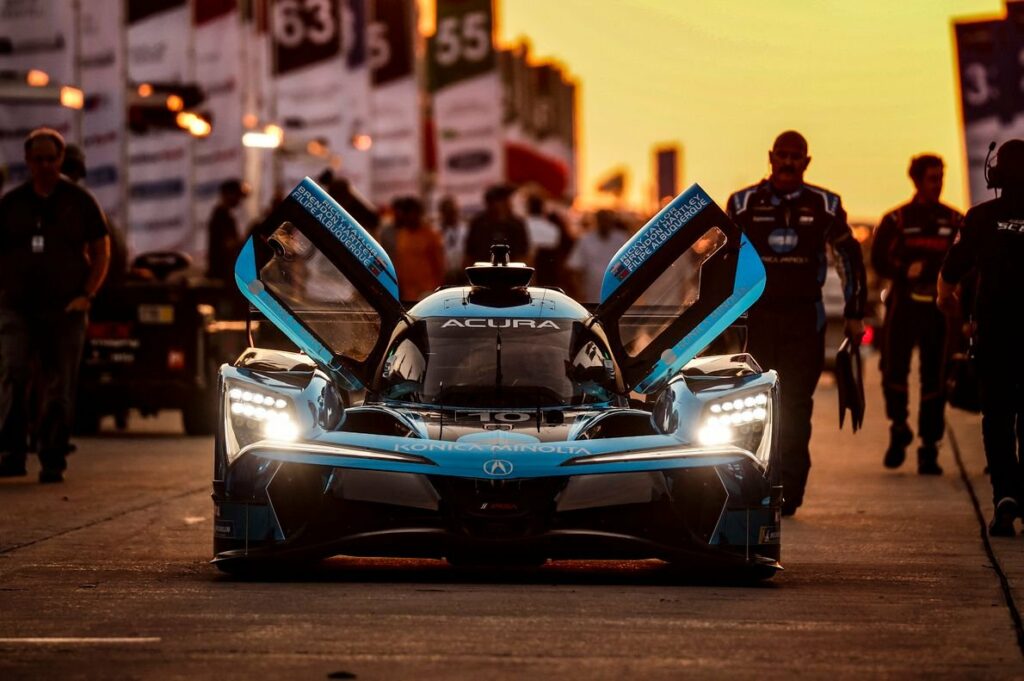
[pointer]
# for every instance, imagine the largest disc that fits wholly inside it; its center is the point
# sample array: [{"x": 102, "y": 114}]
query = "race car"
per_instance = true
[{"x": 498, "y": 423}]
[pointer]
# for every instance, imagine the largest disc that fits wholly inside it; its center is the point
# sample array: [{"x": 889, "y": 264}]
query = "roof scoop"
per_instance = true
[{"x": 499, "y": 273}]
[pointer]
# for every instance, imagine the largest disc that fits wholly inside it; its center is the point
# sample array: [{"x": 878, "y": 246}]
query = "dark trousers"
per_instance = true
[
  {"x": 54, "y": 340},
  {"x": 1001, "y": 380},
  {"x": 790, "y": 338},
  {"x": 909, "y": 323}
]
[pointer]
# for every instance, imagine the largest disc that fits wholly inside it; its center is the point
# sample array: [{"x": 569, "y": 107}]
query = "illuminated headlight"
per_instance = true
[
  {"x": 738, "y": 420},
  {"x": 267, "y": 414},
  {"x": 254, "y": 415}
]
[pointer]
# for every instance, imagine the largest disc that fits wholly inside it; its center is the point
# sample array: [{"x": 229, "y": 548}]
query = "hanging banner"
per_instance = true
[
  {"x": 258, "y": 106},
  {"x": 356, "y": 101},
  {"x": 467, "y": 101},
  {"x": 991, "y": 89},
  {"x": 159, "y": 161},
  {"x": 217, "y": 157},
  {"x": 309, "y": 73},
  {"x": 101, "y": 66},
  {"x": 396, "y": 154},
  {"x": 35, "y": 34}
]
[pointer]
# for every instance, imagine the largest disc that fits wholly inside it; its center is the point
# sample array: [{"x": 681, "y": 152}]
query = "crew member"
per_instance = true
[
  {"x": 909, "y": 246},
  {"x": 991, "y": 243},
  {"x": 54, "y": 253},
  {"x": 497, "y": 225},
  {"x": 791, "y": 224},
  {"x": 223, "y": 239}
]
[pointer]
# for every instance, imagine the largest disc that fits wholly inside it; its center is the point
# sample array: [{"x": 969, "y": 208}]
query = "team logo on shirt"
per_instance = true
[
  {"x": 1011, "y": 226},
  {"x": 783, "y": 240}
]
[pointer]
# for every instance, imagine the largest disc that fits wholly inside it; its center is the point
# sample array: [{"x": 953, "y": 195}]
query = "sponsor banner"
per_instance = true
[
  {"x": 309, "y": 70},
  {"x": 159, "y": 162},
  {"x": 219, "y": 156},
  {"x": 101, "y": 65},
  {"x": 258, "y": 104},
  {"x": 40, "y": 35},
  {"x": 397, "y": 151},
  {"x": 354, "y": 151},
  {"x": 467, "y": 101},
  {"x": 991, "y": 89}
]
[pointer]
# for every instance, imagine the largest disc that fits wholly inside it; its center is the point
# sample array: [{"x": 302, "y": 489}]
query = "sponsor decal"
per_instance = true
[
  {"x": 473, "y": 323},
  {"x": 477, "y": 448},
  {"x": 769, "y": 534},
  {"x": 225, "y": 528},
  {"x": 160, "y": 189},
  {"x": 783, "y": 240},
  {"x": 651, "y": 239},
  {"x": 498, "y": 467},
  {"x": 468, "y": 161},
  {"x": 806, "y": 219}
]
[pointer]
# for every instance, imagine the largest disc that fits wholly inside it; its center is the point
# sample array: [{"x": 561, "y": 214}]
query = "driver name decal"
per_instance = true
[
  {"x": 671, "y": 221},
  {"x": 481, "y": 323},
  {"x": 328, "y": 215}
]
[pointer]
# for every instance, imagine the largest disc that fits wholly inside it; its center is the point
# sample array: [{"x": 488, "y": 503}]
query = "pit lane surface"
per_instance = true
[{"x": 106, "y": 577}]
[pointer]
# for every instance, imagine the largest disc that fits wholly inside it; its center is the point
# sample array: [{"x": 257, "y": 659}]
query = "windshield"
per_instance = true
[{"x": 494, "y": 362}]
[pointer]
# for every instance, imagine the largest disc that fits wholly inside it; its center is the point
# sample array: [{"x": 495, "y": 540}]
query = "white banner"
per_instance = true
[
  {"x": 218, "y": 157},
  {"x": 41, "y": 36},
  {"x": 397, "y": 141},
  {"x": 101, "y": 67},
  {"x": 467, "y": 101},
  {"x": 397, "y": 125},
  {"x": 159, "y": 162},
  {"x": 309, "y": 70},
  {"x": 354, "y": 149},
  {"x": 470, "y": 154}
]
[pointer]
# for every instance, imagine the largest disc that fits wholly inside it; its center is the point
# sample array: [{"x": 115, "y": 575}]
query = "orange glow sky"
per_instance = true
[{"x": 869, "y": 82}]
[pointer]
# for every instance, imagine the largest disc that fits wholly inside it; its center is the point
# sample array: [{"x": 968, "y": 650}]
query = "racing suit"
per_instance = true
[
  {"x": 992, "y": 242},
  {"x": 915, "y": 236},
  {"x": 786, "y": 327}
]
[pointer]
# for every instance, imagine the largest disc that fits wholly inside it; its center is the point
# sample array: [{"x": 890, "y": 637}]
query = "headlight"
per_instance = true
[
  {"x": 253, "y": 415},
  {"x": 739, "y": 420}
]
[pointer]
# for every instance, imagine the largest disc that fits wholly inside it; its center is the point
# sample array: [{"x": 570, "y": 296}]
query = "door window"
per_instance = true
[
  {"x": 676, "y": 290},
  {"x": 319, "y": 295}
]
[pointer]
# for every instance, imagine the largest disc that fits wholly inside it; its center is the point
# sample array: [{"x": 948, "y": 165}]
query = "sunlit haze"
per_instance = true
[{"x": 869, "y": 82}]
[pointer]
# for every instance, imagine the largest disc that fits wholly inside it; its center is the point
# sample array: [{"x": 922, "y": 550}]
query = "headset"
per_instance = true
[{"x": 993, "y": 176}]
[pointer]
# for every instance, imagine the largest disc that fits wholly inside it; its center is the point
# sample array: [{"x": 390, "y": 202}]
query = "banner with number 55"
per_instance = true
[{"x": 467, "y": 101}]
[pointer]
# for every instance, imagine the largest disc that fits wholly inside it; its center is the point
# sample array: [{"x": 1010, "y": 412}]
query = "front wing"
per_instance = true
[{"x": 639, "y": 497}]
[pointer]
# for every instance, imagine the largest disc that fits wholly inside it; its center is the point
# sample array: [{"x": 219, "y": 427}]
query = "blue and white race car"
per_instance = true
[{"x": 498, "y": 423}]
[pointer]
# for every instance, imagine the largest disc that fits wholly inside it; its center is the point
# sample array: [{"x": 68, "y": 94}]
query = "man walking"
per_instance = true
[
  {"x": 991, "y": 242},
  {"x": 909, "y": 246},
  {"x": 791, "y": 224},
  {"x": 54, "y": 253}
]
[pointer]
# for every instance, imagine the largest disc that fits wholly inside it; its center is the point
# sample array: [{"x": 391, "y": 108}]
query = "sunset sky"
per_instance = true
[{"x": 869, "y": 82}]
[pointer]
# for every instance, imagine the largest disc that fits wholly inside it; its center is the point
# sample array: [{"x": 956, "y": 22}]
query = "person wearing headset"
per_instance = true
[
  {"x": 909, "y": 247},
  {"x": 991, "y": 242}
]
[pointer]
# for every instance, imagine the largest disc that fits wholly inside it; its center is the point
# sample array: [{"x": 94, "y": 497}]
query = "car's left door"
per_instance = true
[{"x": 322, "y": 279}]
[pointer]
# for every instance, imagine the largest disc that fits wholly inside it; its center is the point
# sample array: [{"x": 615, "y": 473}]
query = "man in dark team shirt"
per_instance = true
[
  {"x": 791, "y": 224},
  {"x": 991, "y": 242},
  {"x": 909, "y": 246},
  {"x": 496, "y": 225},
  {"x": 54, "y": 253}
]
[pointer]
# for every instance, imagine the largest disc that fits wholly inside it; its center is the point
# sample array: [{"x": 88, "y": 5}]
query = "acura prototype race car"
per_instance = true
[{"x": 498, "y": 423}]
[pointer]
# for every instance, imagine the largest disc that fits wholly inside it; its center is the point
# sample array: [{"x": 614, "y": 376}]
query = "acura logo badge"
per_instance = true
[{"x": 498, "y": 467}]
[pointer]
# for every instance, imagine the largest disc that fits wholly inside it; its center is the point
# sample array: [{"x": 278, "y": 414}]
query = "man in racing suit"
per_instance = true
[
  {"x": 791, "y": 223},
  {"x": 991, "y": 242},
  {"x": 909, "y": 246}
]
